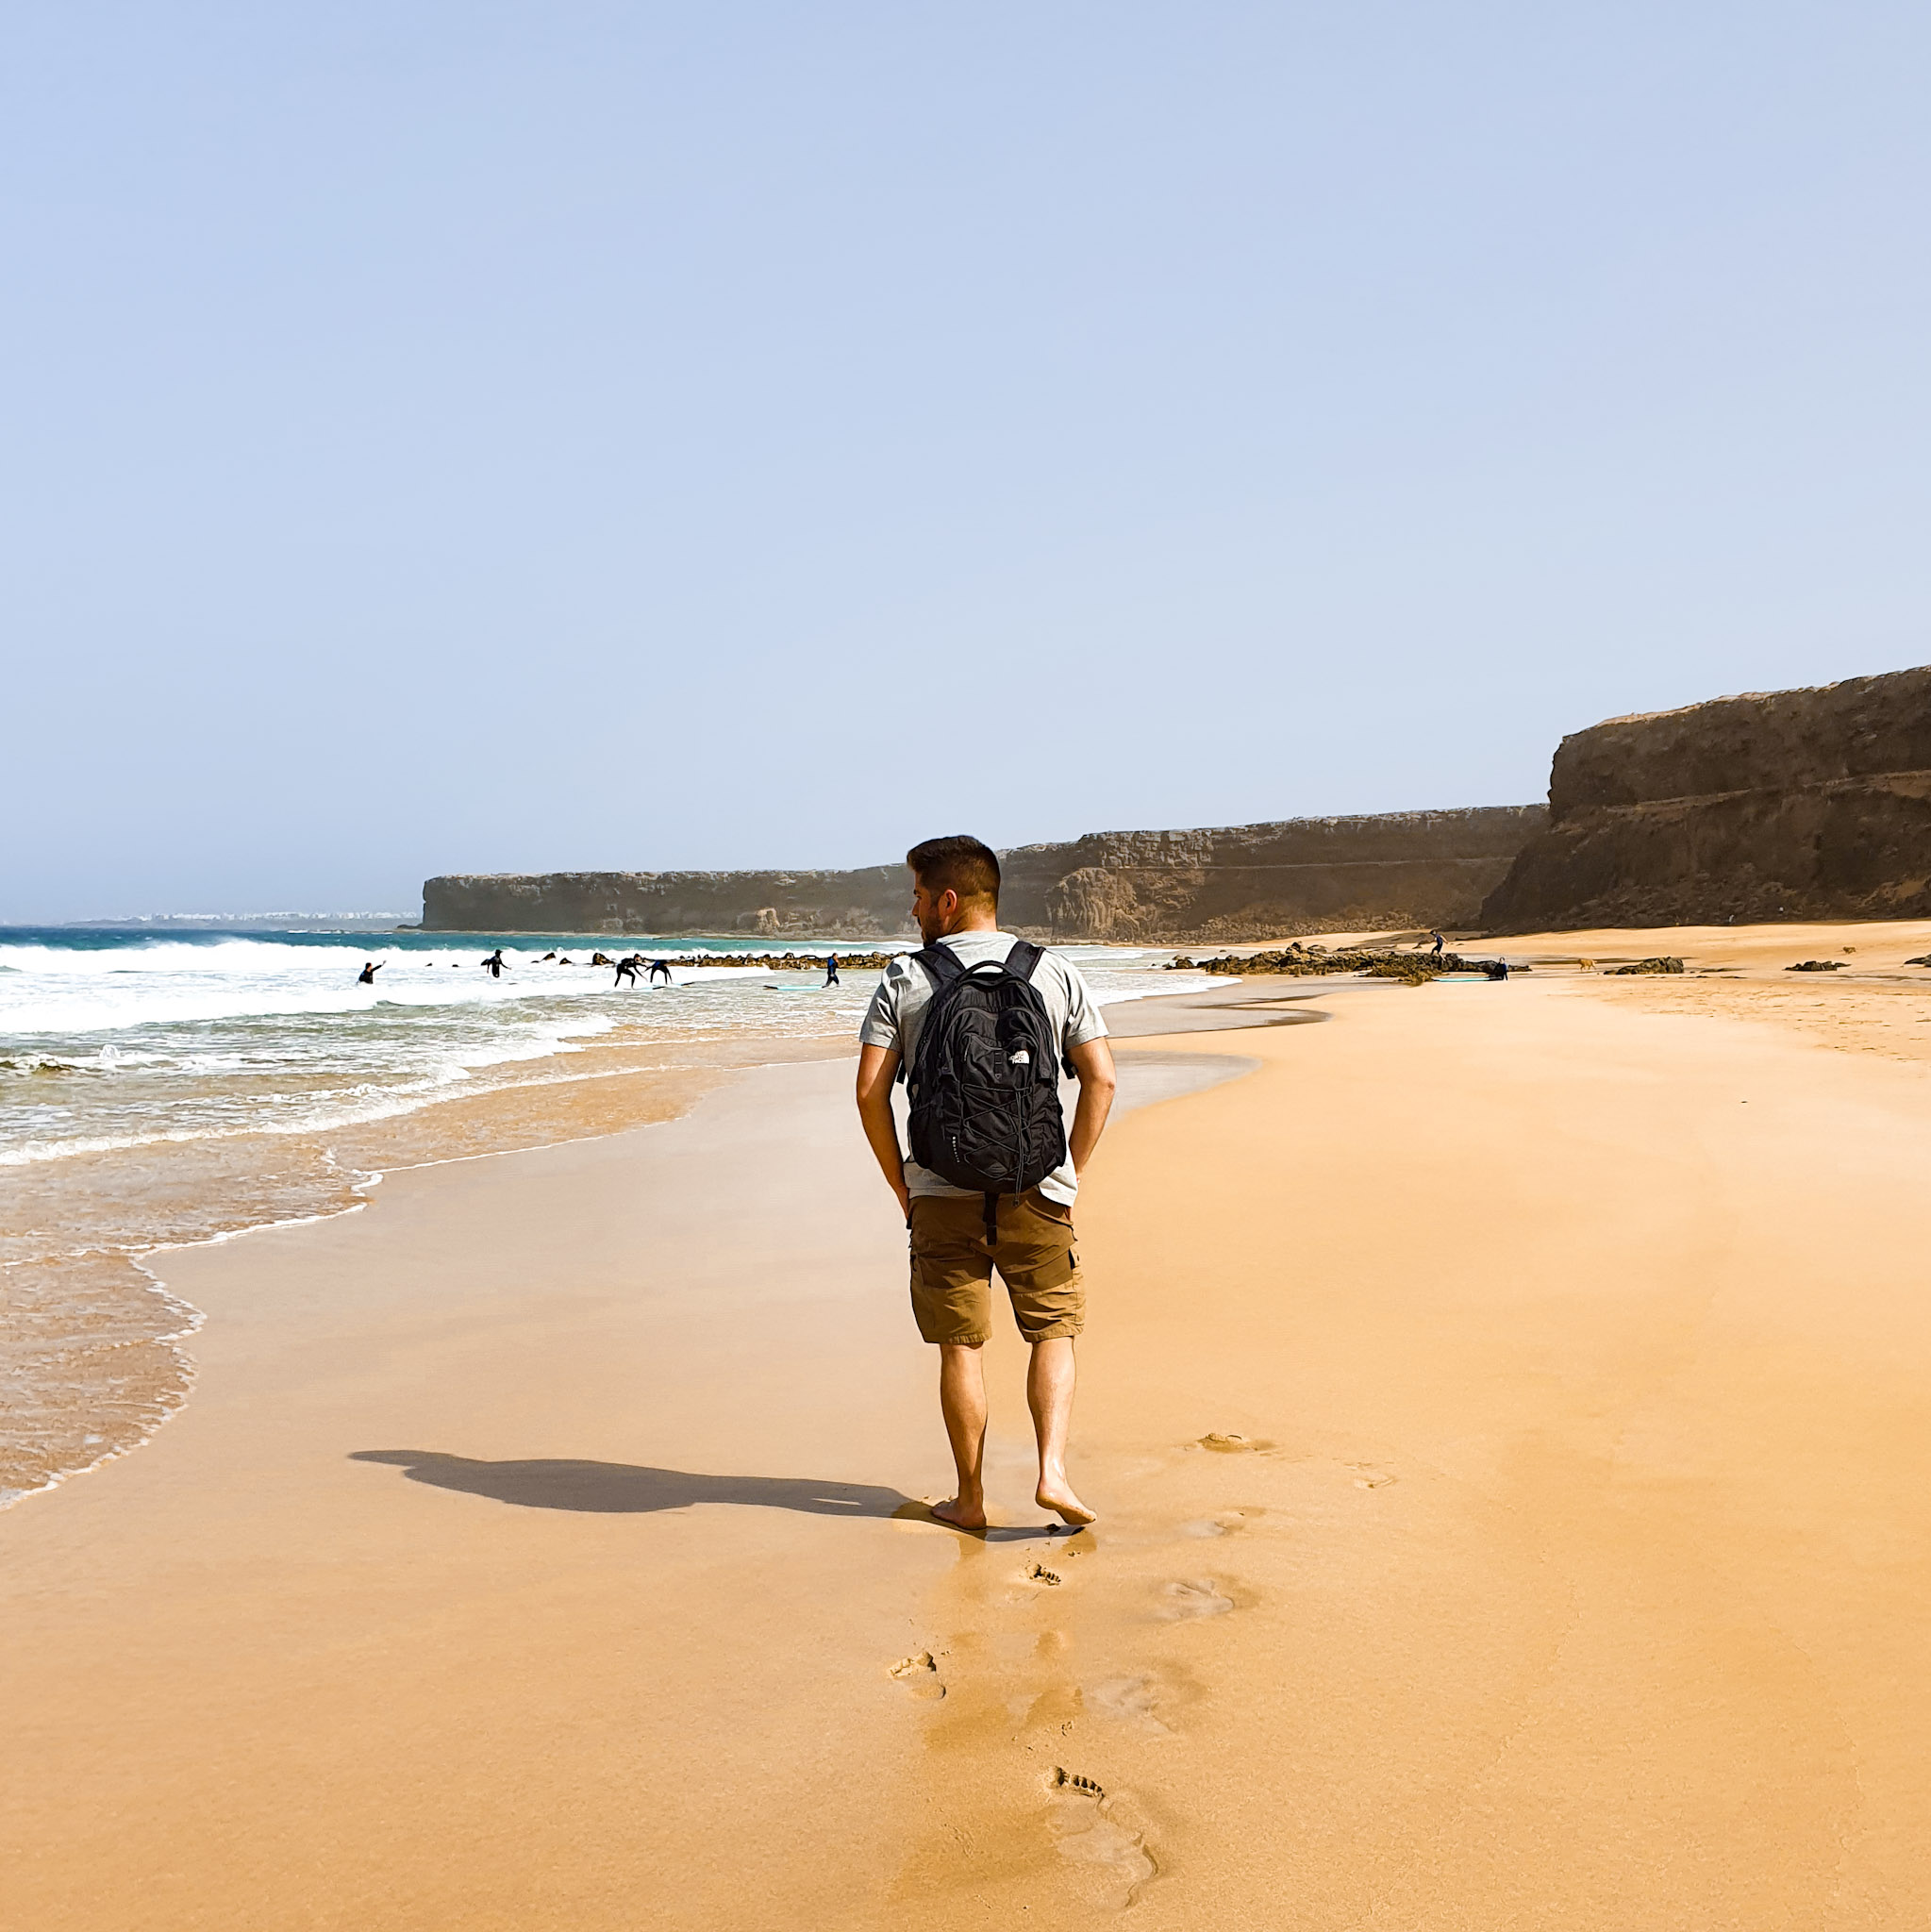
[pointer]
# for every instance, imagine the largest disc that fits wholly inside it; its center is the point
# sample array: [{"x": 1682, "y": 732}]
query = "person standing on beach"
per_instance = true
[
  {"x": 831, "y": 969},
  {"x": 958, "y": 1235},
  {"x": 1436, "y": 948}
]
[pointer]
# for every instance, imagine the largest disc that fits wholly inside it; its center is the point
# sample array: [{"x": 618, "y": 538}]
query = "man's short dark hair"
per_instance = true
[{"x": 961, "y": 864}]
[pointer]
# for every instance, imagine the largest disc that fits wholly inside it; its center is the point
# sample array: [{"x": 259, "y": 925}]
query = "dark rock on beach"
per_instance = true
[{"x": 1300, "y": 962}]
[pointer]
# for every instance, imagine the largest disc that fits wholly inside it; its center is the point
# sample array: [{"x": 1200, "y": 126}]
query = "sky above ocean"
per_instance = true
[{"x": 498, "y": 437}]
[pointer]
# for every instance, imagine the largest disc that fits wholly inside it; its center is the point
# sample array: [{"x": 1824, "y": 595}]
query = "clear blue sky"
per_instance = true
[{"x": 479, "y": 437}]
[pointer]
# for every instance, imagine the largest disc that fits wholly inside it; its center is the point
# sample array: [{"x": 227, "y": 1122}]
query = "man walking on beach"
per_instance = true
[{"x": 959, "y": 1234}]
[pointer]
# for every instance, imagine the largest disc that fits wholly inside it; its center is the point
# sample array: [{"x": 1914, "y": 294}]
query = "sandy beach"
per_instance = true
[{"x": 1505, "y": 1403}]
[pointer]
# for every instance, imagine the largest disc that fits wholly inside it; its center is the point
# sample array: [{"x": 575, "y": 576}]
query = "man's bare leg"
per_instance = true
[
  {"x": 962, "y": 1402},
  {"x": 1049, "y": 1395}
]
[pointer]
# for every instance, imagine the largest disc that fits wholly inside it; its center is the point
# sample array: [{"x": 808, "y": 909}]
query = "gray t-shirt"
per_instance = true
[{"x": 898, "y": 1010}]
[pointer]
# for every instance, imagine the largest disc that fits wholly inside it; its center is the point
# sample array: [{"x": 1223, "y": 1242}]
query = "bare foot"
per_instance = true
[
  {"x": 956, "y": 1513},
  {"x": 1058, "y": 1497}
]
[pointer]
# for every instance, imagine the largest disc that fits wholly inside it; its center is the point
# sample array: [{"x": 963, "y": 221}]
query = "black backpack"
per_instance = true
[{"x": 984, "y": 1085}]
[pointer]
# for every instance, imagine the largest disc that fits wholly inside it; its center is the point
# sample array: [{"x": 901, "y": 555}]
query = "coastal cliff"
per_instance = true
[
  {"x": 1788, "y": 805},
  {"x": 870, "y": 903},
  {"x": 1288, "y": 876},
  {"x": 1277, "y": 879}
]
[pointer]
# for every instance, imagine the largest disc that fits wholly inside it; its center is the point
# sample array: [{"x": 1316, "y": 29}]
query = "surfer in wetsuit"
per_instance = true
[
  {"x": 831, "y": 969},
  {"x": 658, "y": 966},
  {"x": 1436, "y": 948},
  {"x": 370, "y": 968},
  {"x": 494, "y": 963},
  {"x": 626, "y": 969}
]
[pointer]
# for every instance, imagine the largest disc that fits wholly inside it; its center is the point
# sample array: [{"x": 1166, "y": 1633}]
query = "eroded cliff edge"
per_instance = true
[
  {"x": 1261, "y": 881},
  {"x": 1788, "y": 805}
]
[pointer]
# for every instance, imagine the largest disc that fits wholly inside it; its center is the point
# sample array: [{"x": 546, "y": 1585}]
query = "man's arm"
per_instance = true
[
  {"x": 877, "y": 1068},
  {"x": 1092, "y": 1065}
]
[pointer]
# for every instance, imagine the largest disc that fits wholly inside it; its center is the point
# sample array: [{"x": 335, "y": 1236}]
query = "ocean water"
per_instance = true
[{"x": 165, "y": 1088}]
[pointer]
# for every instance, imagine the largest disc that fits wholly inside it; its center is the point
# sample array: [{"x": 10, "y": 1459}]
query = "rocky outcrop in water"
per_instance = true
[
  {"x": 1293, "y": 876},
  {"x": 1790, "y": 804},
  {"x": 783, "y": 962}
]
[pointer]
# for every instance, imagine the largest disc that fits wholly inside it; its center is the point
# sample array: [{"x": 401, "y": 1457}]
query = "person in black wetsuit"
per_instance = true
[
  {"x": 1436, "y": 948},
  {"x": 658, "y": 966},
  {"x": 370, "y": 968},
  {"x": 494, "y": 963},
  {"x": 626, "y": 969},
  {"x": 831, "y": 969}
]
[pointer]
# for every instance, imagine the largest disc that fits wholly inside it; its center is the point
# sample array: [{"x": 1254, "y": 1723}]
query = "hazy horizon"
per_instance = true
[{"x": 479, "y": 438}]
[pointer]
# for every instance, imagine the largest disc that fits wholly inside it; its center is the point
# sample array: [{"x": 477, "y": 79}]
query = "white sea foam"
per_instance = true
[
  {"x": 119, "y": 1043},
  {"x": 171, "y": 982}
]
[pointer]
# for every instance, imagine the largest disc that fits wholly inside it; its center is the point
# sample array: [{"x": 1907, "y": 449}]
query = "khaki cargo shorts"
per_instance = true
[{"x": 951, "y": 1267}]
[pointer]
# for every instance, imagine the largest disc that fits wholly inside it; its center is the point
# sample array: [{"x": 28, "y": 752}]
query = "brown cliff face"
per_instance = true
[
  {"x": 1791, "y": 805},
  {"x": 1275, "y": 879},
  {"x": 1296, "y": 875},
  {"x": 870, "y": 903}
]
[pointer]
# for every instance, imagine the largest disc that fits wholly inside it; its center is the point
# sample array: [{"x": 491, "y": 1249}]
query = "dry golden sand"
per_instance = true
[{"x": 1570, "y": 1568}]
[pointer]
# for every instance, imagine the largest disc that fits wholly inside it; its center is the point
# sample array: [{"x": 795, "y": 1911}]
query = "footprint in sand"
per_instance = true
[
  {"x": 1192, "y": 1596},
  {"x": 1037, "y": 1573},
  {"x": 1231, "y": 1444},
  {"x": 1369, "y": 1477},
  {"x": 1134, "y": 1701},
  {"x": 1094, "y": 1829},
  {"x": 919, "y": 1674},
  {"x": 1226, "y": 1523}
]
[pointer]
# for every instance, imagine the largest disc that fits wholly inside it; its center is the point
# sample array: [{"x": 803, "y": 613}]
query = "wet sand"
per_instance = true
[{"x": 1505, "y": 1403}]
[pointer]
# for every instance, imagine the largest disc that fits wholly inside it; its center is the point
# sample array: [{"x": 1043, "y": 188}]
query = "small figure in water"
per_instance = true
[
  {"x": 1436, "y": 948},
  {"x": 494, "y": 963},
  {"x": 370, "y": 968},
  {"x": 831, "y": 969},
  {"x": 626, "y": 969},
  {"x": 658, "y": 966}
]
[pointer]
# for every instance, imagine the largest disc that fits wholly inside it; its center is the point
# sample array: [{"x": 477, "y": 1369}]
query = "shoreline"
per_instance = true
[{"x": 368, "y": 1163}]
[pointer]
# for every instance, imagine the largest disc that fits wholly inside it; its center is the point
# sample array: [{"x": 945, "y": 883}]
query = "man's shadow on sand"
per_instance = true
[
  {"x": 618, "y": 1488},
  {"x": 628, "y": 1488}
]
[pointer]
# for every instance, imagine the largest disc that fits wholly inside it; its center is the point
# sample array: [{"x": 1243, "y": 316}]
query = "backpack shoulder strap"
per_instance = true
[
  {"x": 1024, "y": 959},
  {"x": 943, "y": 966},
  {"x": 941, "y": 963}
]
